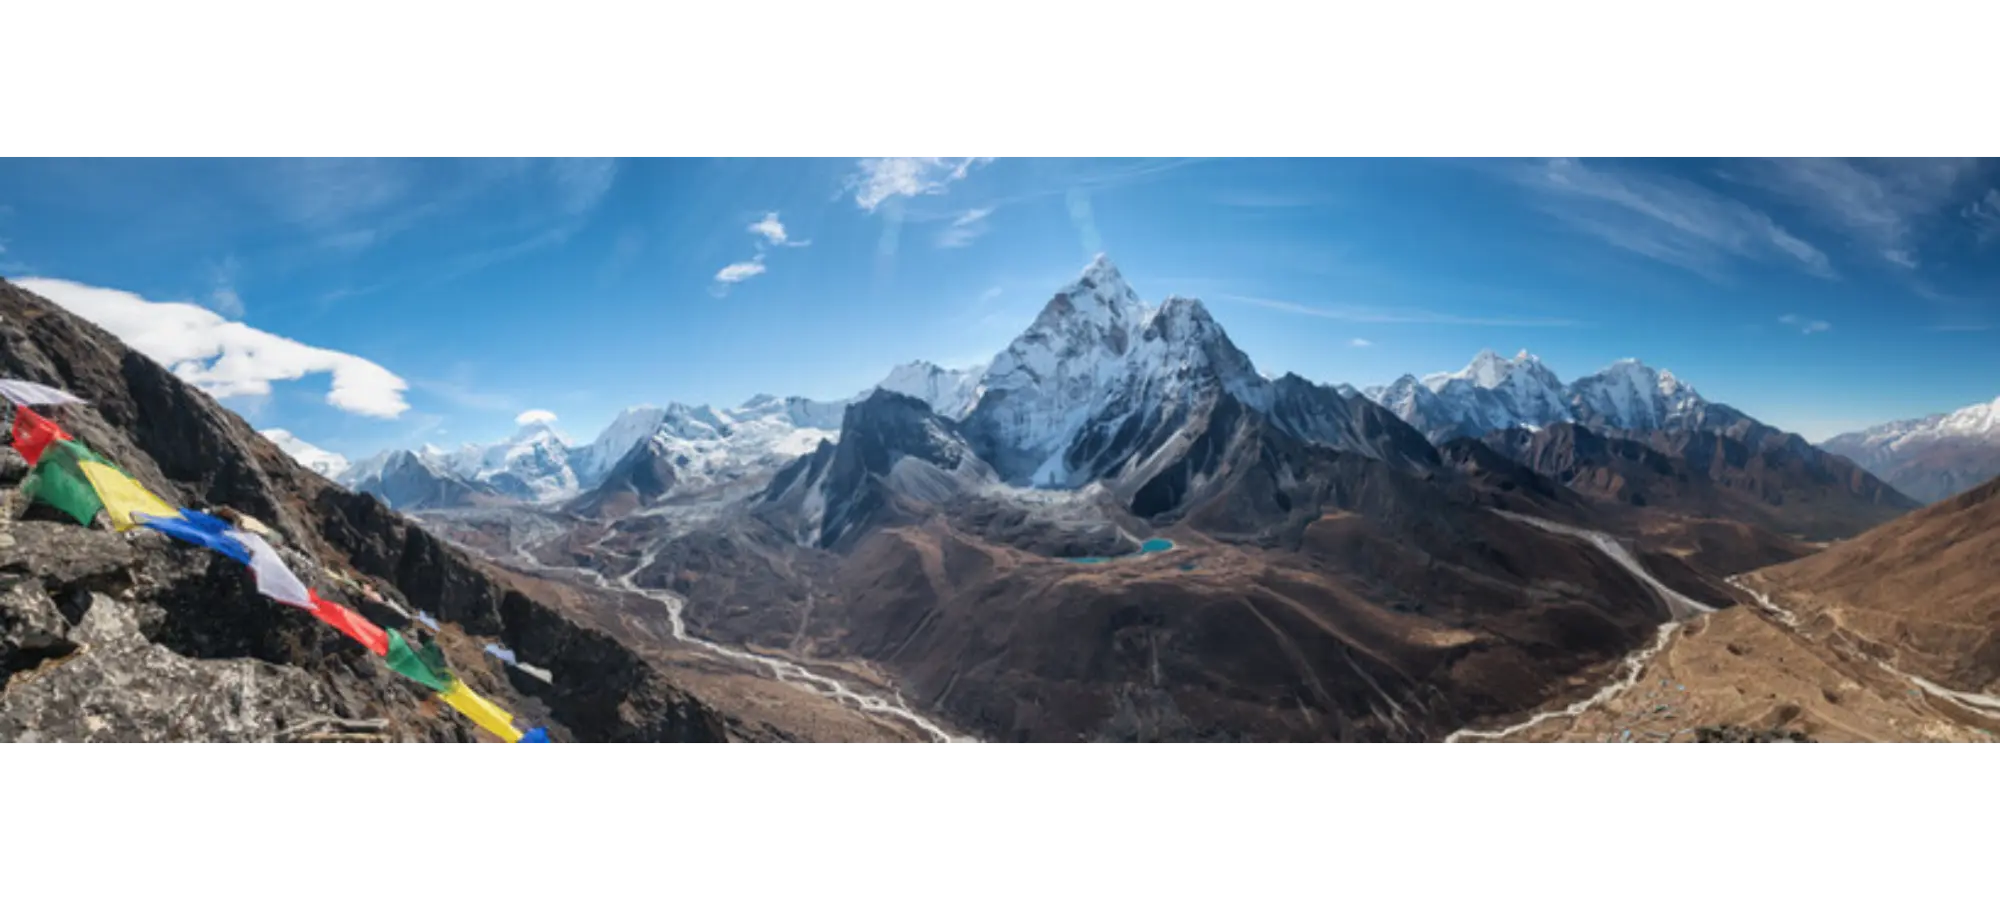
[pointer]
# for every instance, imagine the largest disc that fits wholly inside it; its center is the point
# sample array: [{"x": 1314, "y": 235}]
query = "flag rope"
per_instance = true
[{"x": 65, "y": 474}]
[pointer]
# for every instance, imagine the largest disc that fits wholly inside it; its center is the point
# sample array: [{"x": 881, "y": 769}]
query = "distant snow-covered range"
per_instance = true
[
  {"x": 1933, "y": 457},
  {"x": 325, "y": 462},
  {"x": 708, "y": 446},
  {"x": 1494, "y": 392}
]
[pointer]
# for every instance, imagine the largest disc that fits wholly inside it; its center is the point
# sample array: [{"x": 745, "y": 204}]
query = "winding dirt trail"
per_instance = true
[
  {"x": 1983, "y": 704},
  {"x": 892, "y": 706},
  {"x": 1680, "y": 605},
  {"x": 1684, "y": 608}
]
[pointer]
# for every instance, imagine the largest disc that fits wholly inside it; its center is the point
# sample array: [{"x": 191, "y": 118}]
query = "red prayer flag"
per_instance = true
[
  {"x": 33, "y": 434},
  {"x": 351, "y": 624}
]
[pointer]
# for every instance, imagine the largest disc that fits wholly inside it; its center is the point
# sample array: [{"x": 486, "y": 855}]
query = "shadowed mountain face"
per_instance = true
[
  {"x": 643, "y": 476},
  {"x": 896, "y": 457},
  {"x": 1931, "y": 458},
  {"x": 1752, "y": 474}
]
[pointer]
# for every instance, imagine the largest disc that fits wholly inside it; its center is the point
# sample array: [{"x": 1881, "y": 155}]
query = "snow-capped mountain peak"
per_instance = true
[
  {"x": 325, "y": 462},
  {"x": 1097, "y": 302},
  {"x": 1628, "y": 394},
  {"x": 1977, "y": 420},
  {"x": 594, "y": 461},
  {"x": 949, "y": 392},
  {"x": 1494, "y": 392},
  {"x": 1102, "y": 387}
]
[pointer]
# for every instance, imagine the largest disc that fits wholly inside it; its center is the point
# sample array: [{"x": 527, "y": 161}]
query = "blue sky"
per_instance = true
[{"x": 439, "y": 299}]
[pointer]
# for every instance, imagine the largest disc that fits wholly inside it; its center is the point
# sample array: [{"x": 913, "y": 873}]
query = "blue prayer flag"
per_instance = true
[{"x": 202, "y": 531}]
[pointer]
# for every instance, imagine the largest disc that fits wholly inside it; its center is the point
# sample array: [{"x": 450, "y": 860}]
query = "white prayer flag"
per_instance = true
[
  {"x": 28, "y": 393},
  {"x": 274, "y": 579}
]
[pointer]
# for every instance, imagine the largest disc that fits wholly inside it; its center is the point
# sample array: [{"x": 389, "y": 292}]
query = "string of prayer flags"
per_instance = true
[
  {"x": 68, "y": 476},
  {"x": 28, "y": 393},
  {"x": 352, "y": 624},
  {"x": 33, "y": 434}
]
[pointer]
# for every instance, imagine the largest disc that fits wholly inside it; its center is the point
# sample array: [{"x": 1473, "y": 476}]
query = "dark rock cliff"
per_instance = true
[{"x": 134, "y": 637}]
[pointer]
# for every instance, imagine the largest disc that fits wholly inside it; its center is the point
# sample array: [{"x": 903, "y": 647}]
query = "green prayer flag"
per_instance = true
[
  {"x": 59, "y": 481},
  {"x": 409, "y": 664},
  {"x": 433, "y": 656}
]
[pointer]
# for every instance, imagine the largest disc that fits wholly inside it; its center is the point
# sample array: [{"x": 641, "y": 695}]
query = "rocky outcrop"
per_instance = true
[
  {"x": 181, "y": 648},
  {"x": 643, "y": 476}
]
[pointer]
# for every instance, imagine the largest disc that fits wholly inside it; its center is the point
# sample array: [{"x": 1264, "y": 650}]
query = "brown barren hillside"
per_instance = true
[
  {"x": 1890, "y": 636},
  {"x": 1922, "y": 591}
]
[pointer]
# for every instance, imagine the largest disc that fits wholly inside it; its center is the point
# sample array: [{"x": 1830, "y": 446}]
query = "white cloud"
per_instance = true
[
  {"x": 225, "y": 358},
  {"x": 535, "y": 417},
  {"x": 1361, "y": 342},
  {"x": 735, "y": 272},
  {"x": 1668, "y": 219},
  {"x": 1805, "y": 325},
  {"x": 772, "y": 230},
  {"x": 908, "y": 176},
  {"x": 965, "y": 229}
]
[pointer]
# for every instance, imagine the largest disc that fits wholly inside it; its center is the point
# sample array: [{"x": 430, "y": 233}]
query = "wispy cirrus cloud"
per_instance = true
[
  {"x": 1360, "y": 342},
  {"x": 880, "y": 179},
  {"x": 222, "y": 295},
  {"x": 1668, "y": 219},
  {"x": 1884, "y": 206},
  {"x": 965, "y": 229},
  {"x": 327, "y": 195},
  {"x": 461, "y": 390},
  {"x": 521, "y": 206},
  {"x": 1394, "y": 316},
  {"x": 1805, "y": 325},
  {"x": 1984, "y": 216},
  {"x": 1251, "y": 198}
]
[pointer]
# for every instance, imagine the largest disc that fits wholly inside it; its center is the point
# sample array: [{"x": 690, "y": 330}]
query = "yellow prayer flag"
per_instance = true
[
  {"x": 482, "y": 711},
  {"x": 122, "y": 496}
]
